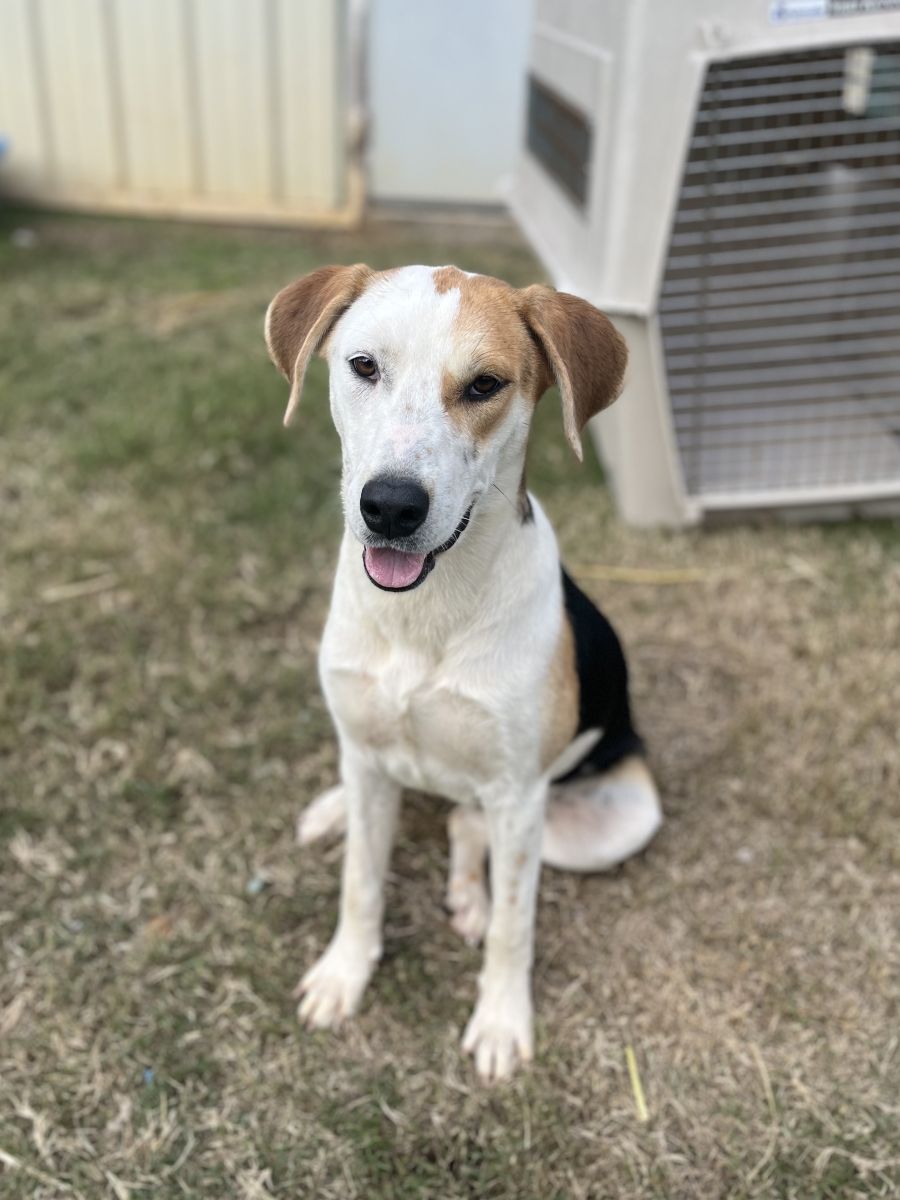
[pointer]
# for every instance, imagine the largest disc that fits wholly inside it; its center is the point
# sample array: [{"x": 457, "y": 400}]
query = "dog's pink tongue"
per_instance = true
[{"x": 393, "y": 568}]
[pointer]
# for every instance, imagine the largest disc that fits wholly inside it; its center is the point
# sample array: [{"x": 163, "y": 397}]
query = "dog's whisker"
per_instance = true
[{"x": 504, "y": 495}]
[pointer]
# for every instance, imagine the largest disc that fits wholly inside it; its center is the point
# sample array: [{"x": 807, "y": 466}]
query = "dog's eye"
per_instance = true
[
  {"x": 483, "y": 386},
  {"x": 365, "y": 367}
]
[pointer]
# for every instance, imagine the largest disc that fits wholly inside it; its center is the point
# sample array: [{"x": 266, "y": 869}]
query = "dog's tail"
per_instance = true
[{"x": 596, "y": 821}]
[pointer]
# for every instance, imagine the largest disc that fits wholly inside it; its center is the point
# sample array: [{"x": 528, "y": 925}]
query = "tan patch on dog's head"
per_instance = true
[
  {"x": 490, "y": 320},
  {"x": 559, "y": 722},
  {"x": 446, "y": 278},
  {"x": 532, "y": 338}
]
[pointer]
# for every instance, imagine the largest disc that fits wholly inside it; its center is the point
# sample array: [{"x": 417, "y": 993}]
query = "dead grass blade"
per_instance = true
[
  {"x": 653, "y": 576},
  {"x": 59, "y": 592}
]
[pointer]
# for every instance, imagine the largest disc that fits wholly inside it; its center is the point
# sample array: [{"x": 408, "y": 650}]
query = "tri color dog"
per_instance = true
[{"x": 458, "y": 658}]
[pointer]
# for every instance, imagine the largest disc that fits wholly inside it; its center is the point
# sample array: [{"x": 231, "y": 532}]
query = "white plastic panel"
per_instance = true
[{"x": 445, "y": 85}]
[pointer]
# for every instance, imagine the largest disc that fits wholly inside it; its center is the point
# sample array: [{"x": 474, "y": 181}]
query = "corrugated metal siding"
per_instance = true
[
  {"x": 780, "y": 308},
  {"x": 233, "y": 108}
]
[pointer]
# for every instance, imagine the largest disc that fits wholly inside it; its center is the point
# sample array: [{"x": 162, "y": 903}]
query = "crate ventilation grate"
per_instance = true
[{"x": 780, "y": 304}]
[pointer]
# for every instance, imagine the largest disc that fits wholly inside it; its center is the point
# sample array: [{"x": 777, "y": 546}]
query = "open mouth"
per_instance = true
[{"x": 396, "y": 571}]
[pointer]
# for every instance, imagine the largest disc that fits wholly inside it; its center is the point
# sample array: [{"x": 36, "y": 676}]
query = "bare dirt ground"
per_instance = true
[{"x": 166, "y": 559}]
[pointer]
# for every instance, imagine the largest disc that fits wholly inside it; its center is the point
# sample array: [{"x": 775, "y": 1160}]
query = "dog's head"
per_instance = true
[{"x": 435, "y": 375}]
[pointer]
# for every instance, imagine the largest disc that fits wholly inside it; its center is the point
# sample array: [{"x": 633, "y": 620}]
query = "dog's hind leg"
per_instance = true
[
  {"x": 467, "y": 895},
  {"x": 594, "y": 823},
  {"x": 326, "y": 816},
  {"x": 590, "y": 824}
]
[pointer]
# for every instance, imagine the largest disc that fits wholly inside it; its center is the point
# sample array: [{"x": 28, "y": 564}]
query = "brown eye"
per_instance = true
[
  {"x": 364, "y": 366},
  {"x": 484, "y": 386}
]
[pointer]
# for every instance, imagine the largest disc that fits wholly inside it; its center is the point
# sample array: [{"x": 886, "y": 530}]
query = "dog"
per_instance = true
[{"x": 458, "y": 657}]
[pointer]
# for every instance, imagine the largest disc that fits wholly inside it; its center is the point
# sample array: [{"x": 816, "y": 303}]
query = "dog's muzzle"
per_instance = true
[{"x": 396, "y": 571}]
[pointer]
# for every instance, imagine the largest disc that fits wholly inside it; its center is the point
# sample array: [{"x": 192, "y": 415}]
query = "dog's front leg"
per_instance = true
[
  {"x": 332, "y": 989},
  {"x": 500, "y": 1031}
]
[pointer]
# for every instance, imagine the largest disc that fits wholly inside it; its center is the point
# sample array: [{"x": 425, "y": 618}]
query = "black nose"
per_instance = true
[{"x": 393, "y": 508}]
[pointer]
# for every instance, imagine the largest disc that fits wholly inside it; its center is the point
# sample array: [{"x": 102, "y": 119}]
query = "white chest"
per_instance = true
[{"x": 426, "y": 732}]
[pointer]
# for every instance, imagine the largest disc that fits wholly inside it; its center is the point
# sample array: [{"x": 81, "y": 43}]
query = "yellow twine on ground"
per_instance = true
[{"x": 648, "y": 575}]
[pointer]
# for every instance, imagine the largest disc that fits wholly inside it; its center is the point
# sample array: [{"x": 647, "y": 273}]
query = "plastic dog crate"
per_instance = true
[{"x": 724, "y": 180}]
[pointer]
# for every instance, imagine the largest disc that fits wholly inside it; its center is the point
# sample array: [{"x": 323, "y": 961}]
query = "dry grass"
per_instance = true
[{"x": 167, "y": 553}]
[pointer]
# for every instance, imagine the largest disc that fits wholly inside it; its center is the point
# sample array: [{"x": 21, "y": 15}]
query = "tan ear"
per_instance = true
[
  {"x": 585, "y": 354},
  {"x": 301, "y": 316}
]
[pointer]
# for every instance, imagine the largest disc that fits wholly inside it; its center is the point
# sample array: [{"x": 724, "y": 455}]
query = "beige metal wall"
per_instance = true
[{"x": 221, "y": 108}]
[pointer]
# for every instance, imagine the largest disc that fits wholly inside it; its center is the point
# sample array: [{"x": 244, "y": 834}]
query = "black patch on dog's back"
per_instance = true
[{"x": 602, "y": 684}]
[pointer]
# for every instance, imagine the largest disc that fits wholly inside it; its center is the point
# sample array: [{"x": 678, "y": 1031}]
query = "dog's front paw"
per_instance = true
[
  {"x": 499, "y": 1035},
  {"x": 331, "y": 990}
]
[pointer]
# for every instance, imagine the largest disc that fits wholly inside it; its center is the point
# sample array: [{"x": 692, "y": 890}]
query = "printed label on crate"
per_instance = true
[{"x": 821, "y": 10}]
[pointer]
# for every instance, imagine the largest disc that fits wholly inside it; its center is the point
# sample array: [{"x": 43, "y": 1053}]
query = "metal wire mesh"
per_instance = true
[{"x": 780, "y": 306}]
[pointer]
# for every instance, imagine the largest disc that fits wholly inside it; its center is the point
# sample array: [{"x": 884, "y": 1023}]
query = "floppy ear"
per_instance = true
[
  {"x": 301, "y": 316},
  {"x": 585, "y": 355}
]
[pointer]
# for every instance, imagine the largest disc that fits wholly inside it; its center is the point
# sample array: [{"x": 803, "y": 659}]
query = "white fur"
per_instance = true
[
  {"x": 397, "y": 425},
  {"x": 440, "y": 688},
  {"x": 467, "y": 895},
  {"x": 325, "y": 817},
  {"x": 597, "y": 822}
]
